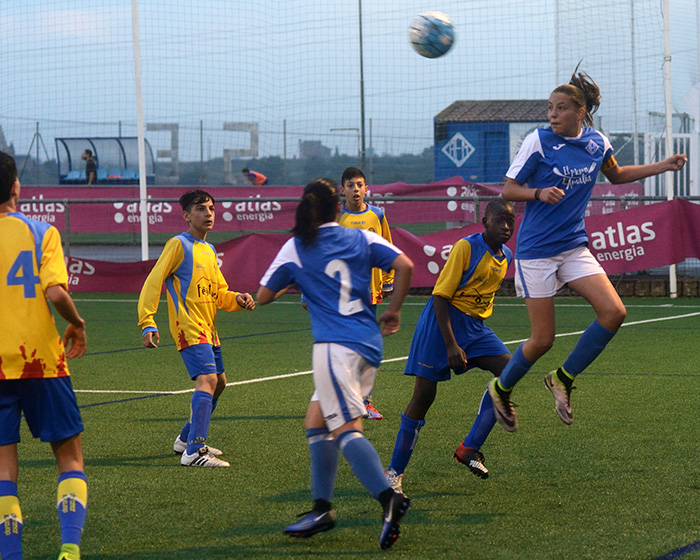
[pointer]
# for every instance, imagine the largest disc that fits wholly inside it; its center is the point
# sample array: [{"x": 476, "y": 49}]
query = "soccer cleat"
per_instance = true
[
  {"x": 393, "y": 513},
  {"x": 312, "y": 523},
  {"x": 473, "y": 459},
  {"x": 502, "y": 407},
  {"x": 69, "y": 551},
  {"x": 372, "y": 413},
  {"x": 394, "y": 479},
  {"x": 202, "y": 458},
  {"x": 562, "y": 396},
  {"x": 180, "y": 447}
]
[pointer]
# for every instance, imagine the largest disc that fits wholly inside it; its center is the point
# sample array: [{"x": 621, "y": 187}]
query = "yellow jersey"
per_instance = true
[
  {"x": 472, "y": 275},
  {"x": 373, "y": 219},
  {"x": 195, "y": 288},
  {"x": 31, "y": 259}
]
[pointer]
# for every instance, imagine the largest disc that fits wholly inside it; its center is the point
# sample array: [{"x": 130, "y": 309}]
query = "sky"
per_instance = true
[{"x": 293, "y": 68}]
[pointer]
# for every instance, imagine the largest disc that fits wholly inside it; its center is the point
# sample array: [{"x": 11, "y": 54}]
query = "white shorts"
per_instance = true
[
  {"x": 542, "y": 278},
  {"x": 341, "y": 377}
]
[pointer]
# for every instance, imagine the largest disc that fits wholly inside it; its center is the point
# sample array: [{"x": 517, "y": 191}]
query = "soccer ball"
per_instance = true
[{"x": 431, "y": 34}]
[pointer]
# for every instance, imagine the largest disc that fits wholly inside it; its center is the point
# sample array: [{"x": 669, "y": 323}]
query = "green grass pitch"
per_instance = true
[{"x": 620, "y": 483}]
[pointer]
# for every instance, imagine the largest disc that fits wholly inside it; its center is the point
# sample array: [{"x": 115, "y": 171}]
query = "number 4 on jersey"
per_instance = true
[{"x": 27, "y": 278}]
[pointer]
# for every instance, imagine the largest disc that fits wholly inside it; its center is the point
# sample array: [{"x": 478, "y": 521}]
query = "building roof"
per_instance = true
[{"x": 499, "y": 110}]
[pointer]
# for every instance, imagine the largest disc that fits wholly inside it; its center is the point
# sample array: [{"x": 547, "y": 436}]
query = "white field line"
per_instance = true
[
  {"x": 399, "y": 359},
  {"x": 422, "y": 303}
]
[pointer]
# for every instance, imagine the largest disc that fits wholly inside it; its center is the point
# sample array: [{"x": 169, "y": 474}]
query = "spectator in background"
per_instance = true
[
  {"x": 90, "y": 167},
  {"x": 254, "y": 177}
]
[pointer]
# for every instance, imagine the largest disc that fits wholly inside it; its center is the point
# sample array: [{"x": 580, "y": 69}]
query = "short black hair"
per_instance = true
[
  {"x": 8, "y": 176},
  {"x": 499, "y": 205},
  {"x": 88, "y": 152},
  {"x": 196, "y": 196},
  {"x": 245, "y": 170},
  {"x": 352, "y": 173}
]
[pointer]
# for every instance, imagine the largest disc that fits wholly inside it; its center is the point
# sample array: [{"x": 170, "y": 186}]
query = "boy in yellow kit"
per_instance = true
[
  {"x": 34, "y": 377},
  {"x": 357, "y": 214},
  {"x": 195, "y": 289}
]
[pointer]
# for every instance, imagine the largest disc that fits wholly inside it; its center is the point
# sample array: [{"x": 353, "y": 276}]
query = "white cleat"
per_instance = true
[
  {"x": 202, "y": 459},
  {"x": 180, "y": 447}
]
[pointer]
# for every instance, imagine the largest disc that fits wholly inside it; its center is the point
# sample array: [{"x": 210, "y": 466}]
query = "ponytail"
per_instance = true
[
  {"x": 584, "y": 92},
  {"x": 319, "y": 205}
]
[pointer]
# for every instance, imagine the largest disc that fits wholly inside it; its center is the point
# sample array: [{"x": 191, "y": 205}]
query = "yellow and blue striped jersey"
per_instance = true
[
  {"x": 373, "y": 219},
  {"x": 472, "y": 275},
  {"x": 195, "y": 289},
  {"x": 31, "y": 259}
]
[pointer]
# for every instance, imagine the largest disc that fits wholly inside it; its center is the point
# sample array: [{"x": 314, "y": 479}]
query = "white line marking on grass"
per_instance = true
[{"x": 387, "y": 361}]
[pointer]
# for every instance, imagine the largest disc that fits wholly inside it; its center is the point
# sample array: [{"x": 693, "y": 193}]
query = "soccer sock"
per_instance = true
[
  {"x": 364, "y": 461},
  {"x": 185, "y": 432},
  {"x": 324, "y": 463},
  {"x": 10, "y": 522},
  {"x": 515, "y": 369},
  {"x": 483, "y": 424},
  {"x": 199, "y": 421},
  {"x": 406, "y": 440},
  {"x": 72, "y": 505},
  {"x": 589, "y": 346}
]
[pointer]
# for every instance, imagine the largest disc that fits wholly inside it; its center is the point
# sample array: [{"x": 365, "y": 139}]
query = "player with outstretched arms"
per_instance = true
[{"x": 555, "y": 171}]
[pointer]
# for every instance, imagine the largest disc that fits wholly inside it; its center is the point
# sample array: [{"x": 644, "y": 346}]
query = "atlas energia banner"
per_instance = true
[
  {"x": 640, "y": 238},
  {"x": 262, "y": 208}
]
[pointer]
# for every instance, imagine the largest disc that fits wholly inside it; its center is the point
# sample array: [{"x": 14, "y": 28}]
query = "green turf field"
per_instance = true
[{"x": 620, "y": 483}]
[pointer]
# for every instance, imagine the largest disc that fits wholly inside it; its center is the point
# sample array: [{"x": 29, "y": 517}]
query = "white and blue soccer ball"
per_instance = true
[{"x": 432, "y": 34}]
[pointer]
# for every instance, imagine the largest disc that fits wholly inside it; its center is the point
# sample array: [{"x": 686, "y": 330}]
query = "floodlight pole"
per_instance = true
[
  {"x": 143, "y": 191},
  {"x": 362, "y": 95},
  {"x": 672, "y": 286}
]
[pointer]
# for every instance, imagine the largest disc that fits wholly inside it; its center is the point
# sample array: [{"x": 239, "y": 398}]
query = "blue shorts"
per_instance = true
[
  {"x": 49, "y": 406},
  {"x": 428, "y": 355},
  {"x": 201, "y": 359}
]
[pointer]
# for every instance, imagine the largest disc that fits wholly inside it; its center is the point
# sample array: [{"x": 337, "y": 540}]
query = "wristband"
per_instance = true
[{"x": 537, "y": 194}]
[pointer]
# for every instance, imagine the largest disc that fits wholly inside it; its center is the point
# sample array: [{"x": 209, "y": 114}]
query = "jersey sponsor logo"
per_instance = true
[
  {"x": 574, "y": 176},
  {"x": 558, "y": 147}
]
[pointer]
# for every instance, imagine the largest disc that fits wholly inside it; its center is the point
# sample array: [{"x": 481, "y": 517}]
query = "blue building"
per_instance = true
[{"x": 476, "y": 140}]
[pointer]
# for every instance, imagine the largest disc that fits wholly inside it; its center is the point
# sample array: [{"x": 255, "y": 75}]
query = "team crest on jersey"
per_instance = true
[{"x": 592, "y": 147}]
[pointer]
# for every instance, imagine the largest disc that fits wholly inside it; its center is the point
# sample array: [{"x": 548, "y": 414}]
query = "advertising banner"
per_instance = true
[
  {"x": 257, "y": 212},
  {"x": 627, "y": 241}
]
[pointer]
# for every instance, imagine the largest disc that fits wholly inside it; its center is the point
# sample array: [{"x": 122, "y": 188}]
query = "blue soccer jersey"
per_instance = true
[
  {"x": 544, "y": 160},
  {"x": 334, "y": 274}
]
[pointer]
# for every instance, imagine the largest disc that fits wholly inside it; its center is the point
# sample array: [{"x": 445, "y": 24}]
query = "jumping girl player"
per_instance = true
[
  {"x": 332, "y": 266},
  {"x": 554, "y": 172}
]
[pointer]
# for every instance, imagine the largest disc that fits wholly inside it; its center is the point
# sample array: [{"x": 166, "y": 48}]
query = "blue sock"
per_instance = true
[
  {"x": 481, "y": 428},
  {"x": 72, "y": 505},
  {"x": 364, "y": 461},
  {"x": 515, "y": 369},
  {"x": 406, "y": 441},
  {"x": 199, "y": 421},
  {"x": 589, "y": 346},
  {"x": 324, "y": 463},
  {"x": 185, "y": 432},
  {"x": 10, "y": 522}
]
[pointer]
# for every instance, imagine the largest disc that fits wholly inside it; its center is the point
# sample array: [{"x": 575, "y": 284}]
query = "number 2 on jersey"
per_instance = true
[
  {"x": 27, "y": 278},
  {"x": 346, "y": 306}
]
